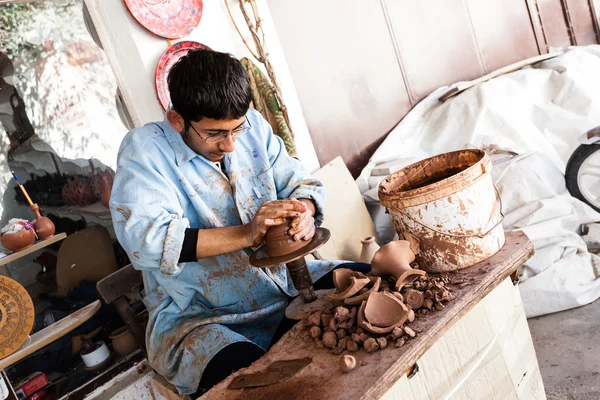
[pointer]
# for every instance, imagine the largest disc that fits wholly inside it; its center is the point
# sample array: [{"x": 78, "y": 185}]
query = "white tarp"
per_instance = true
[{"x": 529, "y": 122}]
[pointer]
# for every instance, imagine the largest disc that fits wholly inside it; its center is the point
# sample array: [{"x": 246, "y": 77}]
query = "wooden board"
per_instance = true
[
  {"x": 461, "y": 87},
  {"x": 51, "y": 333},
  {"x": 119, "y": 283},
  {"x": 36, "y": 246},
  {"x": 87, "y": 254},
  {"x": 377, "y": 372},
  {"x": 346, "y": 215},
  {"x": 96, "y": 210}
]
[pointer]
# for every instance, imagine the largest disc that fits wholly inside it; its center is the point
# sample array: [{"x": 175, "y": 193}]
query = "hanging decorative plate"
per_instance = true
[
  {"x": 171, "y": 19},
  {"x": 16, "y": 316},
  {"x": 165, "y": 63}
]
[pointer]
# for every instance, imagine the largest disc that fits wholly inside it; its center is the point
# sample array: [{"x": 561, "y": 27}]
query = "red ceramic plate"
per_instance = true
[
  {"x": 171, "y": 19},
  {"x": 165, "y": 63}
]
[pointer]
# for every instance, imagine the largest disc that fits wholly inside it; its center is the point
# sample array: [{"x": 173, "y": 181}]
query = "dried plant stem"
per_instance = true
[
  {"x": 254, "y": 23},
  {"x": 240, "y": 33}
]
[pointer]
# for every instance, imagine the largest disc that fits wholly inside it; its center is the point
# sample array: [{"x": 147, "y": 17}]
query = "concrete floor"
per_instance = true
[{"x": 567, "y": 345}]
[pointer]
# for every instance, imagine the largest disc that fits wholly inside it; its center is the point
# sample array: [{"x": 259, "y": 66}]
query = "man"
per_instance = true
[{"x": 192, "y": 195}]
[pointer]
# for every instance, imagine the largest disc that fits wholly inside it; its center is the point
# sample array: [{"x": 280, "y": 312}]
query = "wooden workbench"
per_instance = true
[{"x": 377, "y": 372}]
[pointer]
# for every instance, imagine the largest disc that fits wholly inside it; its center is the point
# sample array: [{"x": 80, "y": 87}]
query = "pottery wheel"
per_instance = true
[
  {"x": 298, "y": 309},
  {"x": 16, "y": 316},
  {"x": 260, "y": 258}
]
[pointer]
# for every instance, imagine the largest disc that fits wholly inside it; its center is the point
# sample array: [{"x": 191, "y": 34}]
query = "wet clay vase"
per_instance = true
[
  {"x": 123, "y": 342},
  {"x": 279, "y": 243},
  {"x": 393, "y": 259},
  {"x": 369, "y": 248},
  {"x": 18, "y": 241},
  {"x": 43, "y": 226}
]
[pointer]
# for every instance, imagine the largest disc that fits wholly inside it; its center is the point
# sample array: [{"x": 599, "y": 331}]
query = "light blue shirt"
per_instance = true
[{"x": 197, "y": 308}]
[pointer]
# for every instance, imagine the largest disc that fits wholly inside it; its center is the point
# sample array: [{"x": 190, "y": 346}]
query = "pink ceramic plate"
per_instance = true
[
  {"x": 166, "y": 62},
  {"x": 171, "y": 19}
]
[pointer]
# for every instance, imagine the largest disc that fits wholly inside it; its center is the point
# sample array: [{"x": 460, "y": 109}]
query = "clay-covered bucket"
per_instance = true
[{"x": 448, "y": 208}]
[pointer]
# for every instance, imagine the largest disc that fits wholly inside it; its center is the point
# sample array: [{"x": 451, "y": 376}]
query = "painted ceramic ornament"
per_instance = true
[
  {"x": 171, "y": 19},
  {"x": 165, "y": 63},
  {"x": 17, "y": 317},
  {"x": 18, "y": 240}
]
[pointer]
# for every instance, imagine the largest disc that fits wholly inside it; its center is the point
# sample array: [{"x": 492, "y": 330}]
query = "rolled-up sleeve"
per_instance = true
[
  {"x": 291, "y": 178},
  {"x": 146, "y": 212}
]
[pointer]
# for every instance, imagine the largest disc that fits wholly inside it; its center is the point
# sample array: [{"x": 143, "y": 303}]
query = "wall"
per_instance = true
[
  {"x": 360, "y": 65},
  {"x": 133, "y": 53}
]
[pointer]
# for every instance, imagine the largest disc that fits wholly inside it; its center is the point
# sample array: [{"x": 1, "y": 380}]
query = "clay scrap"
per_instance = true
[
  {"x": 357, "y": 300},
  {"x": 347, "y": 363},
  {"x": 384, "y": 310},
  {"x": 356, "y": 281},
  {"x": 370, "y": 312}
]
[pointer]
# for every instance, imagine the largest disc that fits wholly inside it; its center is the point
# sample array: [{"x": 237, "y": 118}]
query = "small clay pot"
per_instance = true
[
  {"x": 393, "y": 259},
  {"x": 123, "y": 341},
  {"x": 369, "y": 248},
  {"x": 279, "y": 243},
  {"x": 18, "y": 241},
  {"x": 43, "y": 226}
]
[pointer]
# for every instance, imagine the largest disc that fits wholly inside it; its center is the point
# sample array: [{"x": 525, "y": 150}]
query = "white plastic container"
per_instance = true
[
  {"x": 448, "y": 208},
  {"x": 97, "y": 356}
]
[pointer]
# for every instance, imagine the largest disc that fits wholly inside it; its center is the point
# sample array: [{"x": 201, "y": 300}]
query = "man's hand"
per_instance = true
[
  {"x": 272, "y": 213},
  {"x": 303, "y": 226}
]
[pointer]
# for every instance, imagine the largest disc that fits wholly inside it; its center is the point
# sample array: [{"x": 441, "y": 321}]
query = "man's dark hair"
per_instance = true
[{"x": 206, "y": 83}]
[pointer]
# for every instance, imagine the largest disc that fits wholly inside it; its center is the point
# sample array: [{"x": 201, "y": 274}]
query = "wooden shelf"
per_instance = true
[
  {"x": 96, "y": 210},
  {"x": 51, "y": 333},
  {"x": 35, "y": 247}
]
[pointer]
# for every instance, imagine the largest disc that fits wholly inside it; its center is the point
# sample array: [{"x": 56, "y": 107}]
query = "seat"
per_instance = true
[{"x": 115, "y": 288}]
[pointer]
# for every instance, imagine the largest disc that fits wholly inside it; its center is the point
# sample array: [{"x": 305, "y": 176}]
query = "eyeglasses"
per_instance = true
[{"x": 219, "y": 136}]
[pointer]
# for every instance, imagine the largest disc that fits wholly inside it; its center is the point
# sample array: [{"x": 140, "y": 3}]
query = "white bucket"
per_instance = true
[
  {"x": 448, "y": 208},
  {"x": 97, "y": 356}
]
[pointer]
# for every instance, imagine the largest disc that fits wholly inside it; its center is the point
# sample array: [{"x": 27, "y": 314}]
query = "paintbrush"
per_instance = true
[
  {"x": 22, "y": 188},
  {"x": 25, "y": 194}
]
